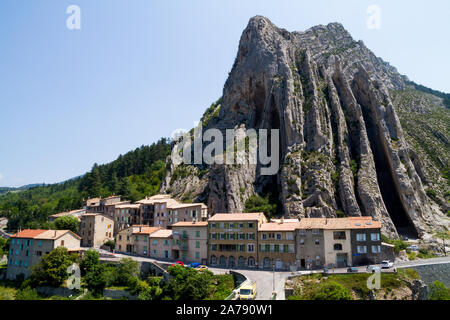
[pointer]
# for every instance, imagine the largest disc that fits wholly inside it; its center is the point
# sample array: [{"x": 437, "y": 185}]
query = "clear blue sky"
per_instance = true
[{"x": 139, "y": 69}]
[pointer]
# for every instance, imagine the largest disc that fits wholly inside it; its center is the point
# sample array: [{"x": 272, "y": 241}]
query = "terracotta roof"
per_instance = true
[
  {"x": 147, "y": 230},
  {"x": 274, "y": 226},
  {"x": 28, "y": 233},
  {"x": 190, "y": 224},
  {"x": 162, "y": 233},
  {"x": 55, "y": 234},
  {"x": 339, "y": 223},
  {"x": 42, "y": 234},
  {"x": 237, "y": 216}
]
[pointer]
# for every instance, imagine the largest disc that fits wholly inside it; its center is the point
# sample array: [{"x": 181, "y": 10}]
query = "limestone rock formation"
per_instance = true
[{"x": 342, "y": 147}]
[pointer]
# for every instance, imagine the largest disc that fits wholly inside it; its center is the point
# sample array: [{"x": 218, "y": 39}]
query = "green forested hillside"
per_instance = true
[{"x": 134, "y": 175}]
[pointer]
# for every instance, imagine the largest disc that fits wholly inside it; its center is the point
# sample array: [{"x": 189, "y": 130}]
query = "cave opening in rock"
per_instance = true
[{"x": 386, "y": 181}]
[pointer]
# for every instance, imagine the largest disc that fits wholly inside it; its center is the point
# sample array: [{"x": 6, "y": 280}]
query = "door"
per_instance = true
[
  {"x": 278, "y": 264},
  {"x": 341, "y": 260},
  {"x": 302, "y": 263}
]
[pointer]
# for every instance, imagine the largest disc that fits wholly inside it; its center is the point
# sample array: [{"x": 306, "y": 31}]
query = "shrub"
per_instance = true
[
  {"x": 27, "y": 294},
  {"x": 67, "y": 223},
  {"x": 331, "y": 291},
  {"x": 438, "y": 291},
  {"x": 128, "y": 271},
  {"x": 90, "y": 259},
  {"x": 52, "y": 269},
  {"x": 111, "y": 244}
]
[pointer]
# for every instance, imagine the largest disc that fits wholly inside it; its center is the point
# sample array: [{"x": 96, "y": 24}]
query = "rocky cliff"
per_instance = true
[{"x": 343, "y": 150}]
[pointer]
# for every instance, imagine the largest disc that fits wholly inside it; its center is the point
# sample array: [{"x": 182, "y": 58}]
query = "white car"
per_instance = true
[{"x": 386, "y": 264}]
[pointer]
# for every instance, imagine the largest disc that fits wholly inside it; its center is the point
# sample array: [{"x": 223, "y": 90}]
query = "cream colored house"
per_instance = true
[
  {"x": 27, "y": 248},
  {"x": 161, "y": 244},
  {"x": 190, "y": 241},
  {"x": 95, "y": 230},
  {"x": 127, "y": 215},
  {"x": 141, "y": 240}
]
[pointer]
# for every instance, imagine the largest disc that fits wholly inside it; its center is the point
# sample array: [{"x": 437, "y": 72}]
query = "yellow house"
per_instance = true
[{"x": 233, "y": 239}]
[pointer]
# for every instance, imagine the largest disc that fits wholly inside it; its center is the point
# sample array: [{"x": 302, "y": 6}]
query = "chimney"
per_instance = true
[
  {"x": 55, "y": 233},
  {"x": 282, "y": 220}
]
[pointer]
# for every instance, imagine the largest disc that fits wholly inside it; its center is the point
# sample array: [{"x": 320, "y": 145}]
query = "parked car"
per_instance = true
[
  {"x": 178, "y": 263},
  {"x": 352, "y": 269},
  {"x": 373, "y": 269},
  {"x": 386, "y": 264},
  {"x": 193, "y": 265},
  {"x": 413, "y": 247},
  {"x": 202, "y": 268}
]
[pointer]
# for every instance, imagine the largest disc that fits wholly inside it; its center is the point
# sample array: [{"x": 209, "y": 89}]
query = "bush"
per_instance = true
[
  {"x": 128, "y": 272},
  {"x": 111, "y": 244},
  {"x": 331, "y": 291},
  {"x": 67, "y": 223},
  {"x": 438, "y": 291},
  {"x": 52, "y": 269},
  {"x": 27, "y": 294},
  {"x": 89, "y": 261}
]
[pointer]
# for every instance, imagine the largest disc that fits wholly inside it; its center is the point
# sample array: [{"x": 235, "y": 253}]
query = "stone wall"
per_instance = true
[{"x": 431, "y": 273}]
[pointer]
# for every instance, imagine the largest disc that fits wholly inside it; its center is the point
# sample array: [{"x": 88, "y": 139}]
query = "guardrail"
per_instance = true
[{"x": 233, "y": 294}]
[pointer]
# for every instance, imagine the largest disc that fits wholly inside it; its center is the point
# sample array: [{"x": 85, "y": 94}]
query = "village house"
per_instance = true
[
  {"x": 233, "y": 239},
  {"x": 125, "y": 241},
  {"x": 276, "y": 245},
  {"x": 126, "y": 215},
  {"x": 161, "y": 244},
  {"x": 310, "y": 247},
  {"x": 27, "y": 248},
  {"x": 141, "y": 239},
  {"x": 365, "y": 241},
  {"x": 190, "y": 241},
  {"x": 95, "y": 230},
  {"x": 163, "y": 211}
]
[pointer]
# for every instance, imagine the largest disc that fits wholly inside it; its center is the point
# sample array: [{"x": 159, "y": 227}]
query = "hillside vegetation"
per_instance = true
[{"x": 134, "y": 175}]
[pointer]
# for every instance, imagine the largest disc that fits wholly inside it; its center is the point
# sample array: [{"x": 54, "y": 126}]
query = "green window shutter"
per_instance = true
[
  {"x": 286, "y": 248},
  {"x": 260, "y": 247},
  {"x": 246, "y": 236},
  {"x": 267, "y": 247}
]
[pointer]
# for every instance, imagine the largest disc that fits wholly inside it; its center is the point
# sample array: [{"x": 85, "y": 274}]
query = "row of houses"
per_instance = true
[{"x": 248, "y": 240}]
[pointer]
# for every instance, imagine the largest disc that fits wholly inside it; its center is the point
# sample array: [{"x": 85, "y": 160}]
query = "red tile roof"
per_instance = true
[{"x": 28, "y": 233}]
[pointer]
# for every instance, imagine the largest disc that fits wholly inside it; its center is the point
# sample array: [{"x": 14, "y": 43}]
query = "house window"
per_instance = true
[
  {"x": 339, "y": 235},
  {"x": 375, "y": 236},
  {"x": 267, "y": 248},
  {"x": 241, "y": 236},
  {"x": 120, "y": 247},
  {"x": 360, "y": 237},
  {"x": 197, "y": 234},
  {"x": 278, "y": 236},
  {"x": 315, "y": 231},
  {"x": 120, "y": 237},
  {"x": 197, "y": 255},
  {"x": 337, "y": 247},
  {"x": 302, "y": 232},
  {"x": 214, "y": 247},
  {"x": 241, "y": 225},
  {"x": 213, "y": 225},
  {"x": 28, "y": 243},
  {"x": 276, "y": 248},
  {"x": 317, "y": 241},
  {"x": 62, "y": 242},
  {"x": 289, "y": 236},
  {"x": 197, "y": 244},
  {"x": 154, "y": 242},
  {"x": 250, "y": 247},
  {"x": 263, "y": 236},
  {"x": 285, "y": 248},
  {"x": 40, "y": 243},
  {"x": 251, "y": 225},
  {"x": 222, "y": 236},
  {"x": 251, "y": 236},
  {"x": 376, "y": 249},
  {"x": 361, "y": 249},
  {"x": 302, "y": 241}
]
